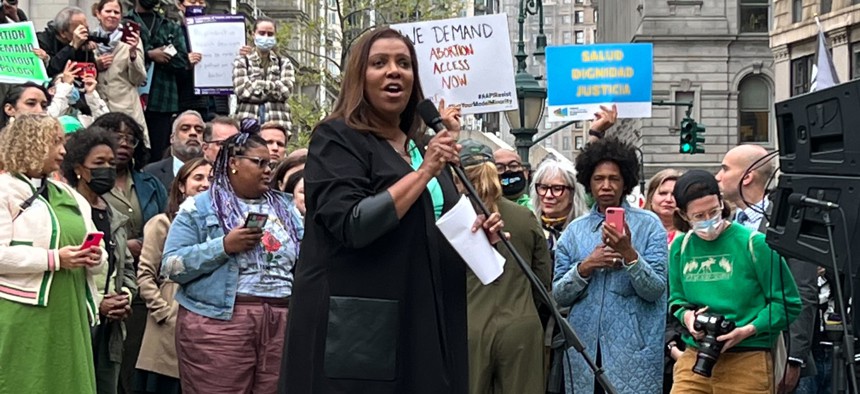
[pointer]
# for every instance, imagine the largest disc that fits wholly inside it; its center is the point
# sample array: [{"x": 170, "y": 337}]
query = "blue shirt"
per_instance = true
[
  {"x": 751, "y": 216},
  {"x": 177, "y": 164}
]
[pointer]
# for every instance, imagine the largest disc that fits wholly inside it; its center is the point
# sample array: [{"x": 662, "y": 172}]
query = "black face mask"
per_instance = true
[
  {"x": 148, "y": 4},
  {"x": 103, "y": 179},
  {"x": 513, "y": 183}
]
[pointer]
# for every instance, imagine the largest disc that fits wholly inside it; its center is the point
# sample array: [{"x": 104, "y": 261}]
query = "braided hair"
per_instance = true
[{"x": 225, "y": 203}]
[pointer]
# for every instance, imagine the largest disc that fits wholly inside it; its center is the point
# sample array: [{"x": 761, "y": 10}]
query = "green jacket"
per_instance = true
[
  {"x": 163, "y": 93},
  {"x": 738, "y": 276}
]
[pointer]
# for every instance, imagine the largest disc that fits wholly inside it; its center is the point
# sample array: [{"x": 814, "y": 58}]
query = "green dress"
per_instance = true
[{"x": 48, "y": 349}]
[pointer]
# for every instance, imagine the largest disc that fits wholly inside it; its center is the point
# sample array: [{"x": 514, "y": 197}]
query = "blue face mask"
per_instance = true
[
  {"x": 74, "y": 96},
  {"x": 194, "y": 10},
  {"x": 709, "y": 229},
  {"x": 265, "y": 43}
]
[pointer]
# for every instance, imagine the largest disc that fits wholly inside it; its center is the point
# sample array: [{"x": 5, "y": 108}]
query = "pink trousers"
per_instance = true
[{"x": 242, "y": 355}]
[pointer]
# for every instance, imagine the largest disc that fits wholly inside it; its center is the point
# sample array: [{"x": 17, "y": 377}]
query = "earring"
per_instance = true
[
  {"x": 233, "y": 171},
  {"x": 79, "y": 176}
]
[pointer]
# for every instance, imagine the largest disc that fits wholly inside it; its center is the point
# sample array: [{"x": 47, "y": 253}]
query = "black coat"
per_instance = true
[
  {"x": 386, "y": 318},
  {"x": 163, "y": 170},
  {"x": 59, "y": 52}
]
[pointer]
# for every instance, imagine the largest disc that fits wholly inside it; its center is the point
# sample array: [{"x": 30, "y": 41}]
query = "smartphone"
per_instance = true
[
  {"x": 128, "y": 29},
  {"x": 87, "y": 70},
  {"x": 256, "y": 220},
  {"x": 93, "y": 239},
  {"x": 615, "y": 218}
]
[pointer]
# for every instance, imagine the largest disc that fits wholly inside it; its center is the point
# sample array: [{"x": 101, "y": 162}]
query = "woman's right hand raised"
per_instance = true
[
  {"x": 242, "y": 239},
  {"x": 70, "y": 72},
  {"x": 74, "y": 257},
  {"x": 442, "y": 149}
]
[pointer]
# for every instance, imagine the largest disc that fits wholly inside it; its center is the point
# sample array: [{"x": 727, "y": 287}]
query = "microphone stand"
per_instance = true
[
  {"x": 843, "y": 355},
  {"x": 570, "y": 337}
]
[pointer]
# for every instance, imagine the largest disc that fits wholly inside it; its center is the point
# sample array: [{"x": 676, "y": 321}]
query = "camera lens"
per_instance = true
[
  {"x": 12, "y": 2},
  {"x": 704, "y": 364}
]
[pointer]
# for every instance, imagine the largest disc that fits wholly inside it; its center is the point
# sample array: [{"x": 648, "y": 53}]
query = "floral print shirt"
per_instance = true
[{"x": 272, "y": 275}]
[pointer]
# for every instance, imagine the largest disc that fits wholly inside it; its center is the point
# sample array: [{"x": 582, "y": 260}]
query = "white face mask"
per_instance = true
[
  {"x": 265, "y": 43},
  {"x": 709, "y": 229}
]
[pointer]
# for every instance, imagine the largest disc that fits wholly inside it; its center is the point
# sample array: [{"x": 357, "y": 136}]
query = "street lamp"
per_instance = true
[{"x": 530, "y": 95}]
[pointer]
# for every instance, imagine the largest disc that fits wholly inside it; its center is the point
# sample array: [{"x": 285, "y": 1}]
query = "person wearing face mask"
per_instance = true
[
  {"x": 263, "y": 80},
  {"x": 723, "y": 268},
  {"x": 208, "y": 106},
  {"x": 157, "y": 365},
  {"x": 165, "y": 52},
  {"x": 514, "y": 177},
  {"x": 66, "y": 98},
  {"x": 89, "y": 168}
]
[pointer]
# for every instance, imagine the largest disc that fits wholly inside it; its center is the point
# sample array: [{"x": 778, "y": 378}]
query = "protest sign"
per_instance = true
[
  {"x": 18, "y": 63},
  {"x": 465, "y": 61},
  {"x": 218, "y": 38},
  {"x": 581, "y": 78}
]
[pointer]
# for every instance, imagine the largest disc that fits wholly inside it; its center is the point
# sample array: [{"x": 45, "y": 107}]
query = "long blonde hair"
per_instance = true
[
  {"x": 25, "y": 143},
  {"x": 485, "y": 178}
]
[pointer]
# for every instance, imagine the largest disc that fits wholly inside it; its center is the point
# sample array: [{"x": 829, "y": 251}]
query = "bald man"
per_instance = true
[
  {"x": 732, "y": 182},
  {"x": 514, "y": 177}
]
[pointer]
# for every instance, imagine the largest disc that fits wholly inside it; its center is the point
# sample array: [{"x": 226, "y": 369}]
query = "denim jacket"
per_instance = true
[{"x": 194, "y": 257}]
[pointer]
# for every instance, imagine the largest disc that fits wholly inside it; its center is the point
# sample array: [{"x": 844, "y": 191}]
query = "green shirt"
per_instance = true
[
  {"x": 738, "y": 276},
  {"x": 432, "y": 186}
]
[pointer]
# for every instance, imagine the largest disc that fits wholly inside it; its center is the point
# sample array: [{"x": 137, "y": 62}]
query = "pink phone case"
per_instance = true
[
  {"x": 615, "y": 217},
  {"x": 93, "y": 239}
]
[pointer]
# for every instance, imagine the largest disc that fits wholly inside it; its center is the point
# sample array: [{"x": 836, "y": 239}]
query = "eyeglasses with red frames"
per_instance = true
[{"x": 553, "y": 190}]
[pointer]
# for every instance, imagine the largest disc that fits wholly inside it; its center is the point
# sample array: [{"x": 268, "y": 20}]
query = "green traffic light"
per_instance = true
[{"x": 686, "y": 148}]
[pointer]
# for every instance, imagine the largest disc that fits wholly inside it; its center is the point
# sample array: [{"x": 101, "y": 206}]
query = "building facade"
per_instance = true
[
  {"x": 565, "y": 22},
  {"x": 794, "y": 39},
  {"x": 714, "y": 53}
]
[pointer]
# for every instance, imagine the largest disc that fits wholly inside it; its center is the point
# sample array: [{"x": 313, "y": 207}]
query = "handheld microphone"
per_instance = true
[
  {"x": 800, "y": 200},
  {"x": 430, "y": 115}
]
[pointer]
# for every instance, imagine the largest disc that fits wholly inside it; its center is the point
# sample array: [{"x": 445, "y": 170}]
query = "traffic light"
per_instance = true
[{"x": 690, "y": 137}]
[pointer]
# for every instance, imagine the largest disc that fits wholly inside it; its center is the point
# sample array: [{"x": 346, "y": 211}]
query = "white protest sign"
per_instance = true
[
  {"x": 465, "y": 61},
  {"x": 218, "y": 38}
]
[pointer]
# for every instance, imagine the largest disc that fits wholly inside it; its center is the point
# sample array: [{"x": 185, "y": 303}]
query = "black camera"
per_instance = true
[
  {"x": 12, "y": 2},
  {"x": 713, "y": 326},
  {"x": 98, "y": 39}
]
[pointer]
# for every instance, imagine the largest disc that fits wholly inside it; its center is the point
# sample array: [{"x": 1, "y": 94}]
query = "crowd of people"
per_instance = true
[{"x": 225, "y": 263}]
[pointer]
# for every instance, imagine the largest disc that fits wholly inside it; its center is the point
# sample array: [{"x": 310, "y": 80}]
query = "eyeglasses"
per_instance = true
[
  {"x": 698, "y": 217},
  {"x": 260, "y": 162},
  {"x": 128, "y": 139},
  {"x": 512, "y": 167},
  {"x": 553, "y": 190},
  {"x": 215, "y": 142}
]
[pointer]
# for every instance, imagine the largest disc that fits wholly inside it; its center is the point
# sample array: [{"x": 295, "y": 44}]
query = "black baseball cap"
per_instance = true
[{"x": 695, "y": 177}]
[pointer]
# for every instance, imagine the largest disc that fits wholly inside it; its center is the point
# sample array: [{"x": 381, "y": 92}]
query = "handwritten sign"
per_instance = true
[
  {"x": 218, "y": 38},
  {"x": 581, "y": 78},
  {"x": 465, "y": 61},
  {"x": 18, "y": 63}
]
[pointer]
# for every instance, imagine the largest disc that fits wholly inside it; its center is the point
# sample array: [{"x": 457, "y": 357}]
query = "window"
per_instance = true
[
  {"x": 681, "y": 112},
  {"x": 801, "y": 72},
  {"x": 577, "y": 125},
  {"x": 753, "y": 110},
  {"x": 547, "y": 20},
  {"x": 826, "y": 6},
  {"x": 549, "y": 40},
  {"x": 753, "y": 14},
  {"x": 565, "y": 143},
  {"x": 565, "y": 19},
  {"x": 855, "y": 60},
  {"x": 580, "y": 37},
  {"x": 796, "y": 11},
  {"x": 580, "y": 16},
  {"x": 580, "y": 1},
  {"x": 595, "y": 16},
  {"x": 578, "y": 142},
  {"x": 565, "y": 37},
  {"x": 566, "y": 1}
]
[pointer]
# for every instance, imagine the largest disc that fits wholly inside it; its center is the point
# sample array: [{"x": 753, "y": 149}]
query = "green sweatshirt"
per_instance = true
[{"x": 742, "y": 286}]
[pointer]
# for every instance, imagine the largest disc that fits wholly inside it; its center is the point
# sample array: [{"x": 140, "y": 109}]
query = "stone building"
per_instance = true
[{"x": 714, "y": 53}]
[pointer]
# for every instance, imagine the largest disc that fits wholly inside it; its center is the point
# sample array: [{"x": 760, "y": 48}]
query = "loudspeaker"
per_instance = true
[
  {"x": 799, "y": 232},
  {"x": 814, "y": 131}
]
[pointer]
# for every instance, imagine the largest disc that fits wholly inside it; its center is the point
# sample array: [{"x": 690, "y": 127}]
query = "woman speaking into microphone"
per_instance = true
[{"x": 379, "y": 303}]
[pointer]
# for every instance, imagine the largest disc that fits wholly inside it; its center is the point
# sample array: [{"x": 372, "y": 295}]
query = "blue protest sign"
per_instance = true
[{"x": 581, "y": 78}]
